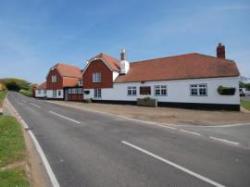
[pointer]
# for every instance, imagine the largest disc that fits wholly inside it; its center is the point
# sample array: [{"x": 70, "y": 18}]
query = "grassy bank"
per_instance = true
[
  {"x": 2, "y": 96},
  {"x": 12, "y": 152},
  {"x": 245, "y": 104}
]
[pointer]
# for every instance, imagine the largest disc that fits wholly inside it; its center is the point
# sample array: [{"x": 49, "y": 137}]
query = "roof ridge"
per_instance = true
[{"x": 173, "y": 56}]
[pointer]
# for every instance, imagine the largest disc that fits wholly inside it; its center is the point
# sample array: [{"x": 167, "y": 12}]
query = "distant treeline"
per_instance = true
[
  {"x": 15, "y": 84},
  {"x": 245, "y": 85}
]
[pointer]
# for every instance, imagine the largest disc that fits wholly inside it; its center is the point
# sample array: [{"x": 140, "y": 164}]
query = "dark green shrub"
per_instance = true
[{"x": 222, "y": 90}]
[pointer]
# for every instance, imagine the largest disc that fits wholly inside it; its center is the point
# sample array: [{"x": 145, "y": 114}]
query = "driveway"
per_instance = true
[{"x": 92, "y": 149}]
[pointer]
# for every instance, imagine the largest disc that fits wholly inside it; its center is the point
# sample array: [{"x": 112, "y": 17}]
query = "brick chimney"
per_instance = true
[{"x": 221, "y": 53}]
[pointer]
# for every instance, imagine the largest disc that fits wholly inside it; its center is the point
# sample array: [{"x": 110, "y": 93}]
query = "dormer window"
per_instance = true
[
  {"x": 96, "y": 77},
  {"x": 80, "y": 82},
  {"x": 53, "y": 78}
]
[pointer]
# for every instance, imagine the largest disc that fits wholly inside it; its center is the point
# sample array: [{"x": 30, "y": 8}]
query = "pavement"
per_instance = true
[{"x": 86, "y": 148}]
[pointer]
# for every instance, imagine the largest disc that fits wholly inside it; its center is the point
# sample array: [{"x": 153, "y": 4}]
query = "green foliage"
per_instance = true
[
  {"x": 14, "y": 177},
  {"x": 222, "y": 90},
  {"x": 16, "y": 84},
  {"x": 12, "y": 146},
  {"x": 245, "y": 104},
  {"x": 147, "y": 101},
  {"x": 2, "y": 96},
  {"x": 245, "y": 85},
  {"x": 26, "y": 92}
]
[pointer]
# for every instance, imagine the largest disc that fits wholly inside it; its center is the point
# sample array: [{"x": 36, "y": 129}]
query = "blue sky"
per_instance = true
[{"x": 36, "y": 34}]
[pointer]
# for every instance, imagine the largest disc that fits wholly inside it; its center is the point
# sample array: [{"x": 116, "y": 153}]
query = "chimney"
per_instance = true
[
  {"x": 124, "y": 63},
  {"x": 123, "y": 54},
  {"x": 221, "y": 53}
]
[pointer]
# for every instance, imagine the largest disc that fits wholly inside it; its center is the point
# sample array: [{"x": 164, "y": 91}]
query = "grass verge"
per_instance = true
[
  {"x": 12, "y": 150},
  {"x": 245, "y": 104},
  {"x": 2, "y": 96}
]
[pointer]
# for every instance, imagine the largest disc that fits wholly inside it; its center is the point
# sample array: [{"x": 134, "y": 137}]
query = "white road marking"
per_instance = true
[
  {"x": 190, "y": 132},
  {"x": 64, "y": 117},
  {"x": 205, "y": 179},
  {"x": 224, "y": 140},
  {"x": 35, "y": 105},
  {"x": 42, "y": 155}
]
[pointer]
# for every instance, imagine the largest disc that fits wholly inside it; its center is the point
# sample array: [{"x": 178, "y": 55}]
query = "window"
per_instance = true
[
  {"x": 198, "y": 89},
  {"x": 145, "y": 90},
  {"x": 59, "y": 93},
  {"x": 53, "y": 78},
  {"x": 97, "y": 93},
  {"x": 96, "y": 77},
  {"x": 160, "y": 90},
  {"x": 39, "y": 91},
  {"x": 80, "y": 82},
  {"x": 131, "y": 90},
  {"x": 54, "y": 93}
]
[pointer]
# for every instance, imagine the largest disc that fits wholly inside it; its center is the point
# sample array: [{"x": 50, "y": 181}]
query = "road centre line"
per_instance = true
[
  {"x": 224, "y": 140},
  {"x": 190, "y": 132},
  {"x": 35, "y": 105},
  {"x": 196, "y": 175},
  {"x": 64, "y": 117}
]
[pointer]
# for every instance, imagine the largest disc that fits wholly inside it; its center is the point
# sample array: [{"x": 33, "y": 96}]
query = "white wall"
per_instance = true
[
  {"x": 115, "y": 75},
  {"x": 50, "y": 94},
  {"x": 40, "y": 93},
  {"x": 178, "y": 91}
]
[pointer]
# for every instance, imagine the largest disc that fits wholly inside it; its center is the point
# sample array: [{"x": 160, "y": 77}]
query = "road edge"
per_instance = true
[{"x": 50, "y": 178}]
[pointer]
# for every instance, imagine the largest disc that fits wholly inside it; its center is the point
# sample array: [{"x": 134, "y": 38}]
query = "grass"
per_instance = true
[
  {"x": 26, "y": 92},
  {"x": 12, "y": 150},
  {"x": 245, "y": 104},
  {"x": 14, "y": 177},
  {"x": 2, "y": 96}
]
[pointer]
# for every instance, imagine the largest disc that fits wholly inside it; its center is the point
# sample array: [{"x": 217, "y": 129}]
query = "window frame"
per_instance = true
[
  {"x": 131, "y": 91},
  {"x": 96, "y": 77},
  {"x": 97, "y": 93},
  {"x": 198, "y": 87},
  {"x": 161, "y": 88}
]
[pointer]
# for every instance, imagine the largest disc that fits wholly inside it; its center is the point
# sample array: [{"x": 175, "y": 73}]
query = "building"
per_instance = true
[
  {"x": 189, "y": 80},
  {"x": 64, "y": 82},
  {"x": 40, "y": 90}
]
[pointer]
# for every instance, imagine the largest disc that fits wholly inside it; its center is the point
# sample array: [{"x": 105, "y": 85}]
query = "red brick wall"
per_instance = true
[
  {"x": 98, "y": 67},
  {"x": 55, "y": 85},
  {"x": 75, "y": 97}
]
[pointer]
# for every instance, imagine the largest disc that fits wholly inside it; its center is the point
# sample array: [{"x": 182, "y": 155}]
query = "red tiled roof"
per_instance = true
[
  {"x": 67, "y": 70},
  {"x": 113, "y": 63},
  {"x": 187, "y": 66},
  {"x": 70, "y": 82},
  {"x": 42, "y": 86}
]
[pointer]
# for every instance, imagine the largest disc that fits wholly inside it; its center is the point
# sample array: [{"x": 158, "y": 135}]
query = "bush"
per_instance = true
[
  {"x": 87, "y": 101},
  {"x": 147, "y": 101},
  {"x": 26, "y": 92},
  {"x": 226, "y": 90}
]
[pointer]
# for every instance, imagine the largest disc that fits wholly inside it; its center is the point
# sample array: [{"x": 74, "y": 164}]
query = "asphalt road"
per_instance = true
[{"x": 92, "y": 149}]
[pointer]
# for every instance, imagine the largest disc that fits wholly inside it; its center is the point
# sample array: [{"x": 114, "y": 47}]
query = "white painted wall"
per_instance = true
[
  {"x": 50, "y": 94},
  {"x": 178, "y": 91},
  {"x": 40, "y": 93},
  {"x": 115, "y": 75}
]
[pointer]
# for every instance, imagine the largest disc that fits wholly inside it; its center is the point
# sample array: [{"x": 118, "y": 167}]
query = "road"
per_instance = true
[{"x": 91, "y": 149}]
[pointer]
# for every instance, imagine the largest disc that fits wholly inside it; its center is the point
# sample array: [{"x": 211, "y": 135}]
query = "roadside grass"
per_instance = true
[
  {"x": 245, "y": 104},
  {"x": 12, "y": 150},
  {"x": 26, "y": 92},
  {"x": 14, "y": 177},
  {"x": 2, "y": 96}
]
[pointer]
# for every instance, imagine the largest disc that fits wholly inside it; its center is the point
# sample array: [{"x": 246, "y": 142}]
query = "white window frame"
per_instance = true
[
  {"x": 54, "y": 78},
  {"x": 199, "y": 89},
  {"x": 160, "y": 90},
  {"x": 54, "y": 93},
  {"x": 96, "y": 77},
  {"x": 132, "y": 91},
  {"x": 97, "y": 93}
]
